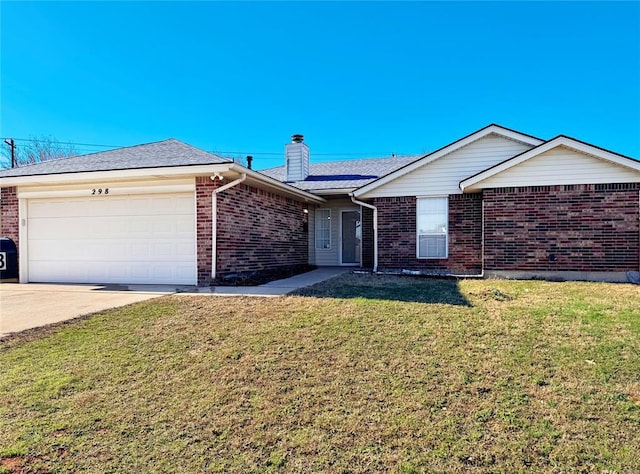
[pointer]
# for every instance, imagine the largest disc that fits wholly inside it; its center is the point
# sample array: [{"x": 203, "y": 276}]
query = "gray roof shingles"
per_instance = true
[
  {"x": 348, "y": 174},
  {"x": 165, "y": 153}
]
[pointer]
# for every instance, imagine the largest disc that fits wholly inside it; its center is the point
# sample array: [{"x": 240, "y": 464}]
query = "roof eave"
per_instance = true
[
  {"x": 333, "y": 191},
  {"x": 125, "y": 174},
  {"x": 274, "y": 183},
  {"x": 158, "y": 172}
]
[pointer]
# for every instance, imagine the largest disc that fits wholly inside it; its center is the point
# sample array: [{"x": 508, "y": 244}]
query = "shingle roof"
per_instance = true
[
  {"x": 169, "y": 152},
  {"x": 348, "y": 174}
]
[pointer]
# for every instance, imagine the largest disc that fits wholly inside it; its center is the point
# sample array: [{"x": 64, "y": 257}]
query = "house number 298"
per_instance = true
[{"x": 98, "y": 191}]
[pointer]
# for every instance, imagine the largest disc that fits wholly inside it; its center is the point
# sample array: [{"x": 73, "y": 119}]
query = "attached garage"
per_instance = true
[
  {"x": 121, "y": 216},
  {"x": 162, "y": 213},
  {"x": 112, "y": 238}
]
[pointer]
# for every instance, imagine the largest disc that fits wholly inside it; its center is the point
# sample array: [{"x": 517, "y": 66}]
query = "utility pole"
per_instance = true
[{"x": 12, "y": 145}]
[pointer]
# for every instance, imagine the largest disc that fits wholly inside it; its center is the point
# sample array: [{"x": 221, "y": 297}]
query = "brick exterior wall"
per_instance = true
[
  {"x": 397, "y": 235},
  {"x": 366, "y": 220},
  {"x": 204, "y": 189},
  {"x": 9, "y": 221},
  {"x": 257, "y": 230},
  {"x": 563, "y": 228}
]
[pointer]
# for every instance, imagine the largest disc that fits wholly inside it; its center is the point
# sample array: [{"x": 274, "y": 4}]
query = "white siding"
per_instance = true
[
  {"x": 312, "y": 232},
  {"x": 331, "y": 257},
  {"x": 560, "y": 165},
  {"x": 442, "y": 176},
  {"x": 297, "y": 161}
]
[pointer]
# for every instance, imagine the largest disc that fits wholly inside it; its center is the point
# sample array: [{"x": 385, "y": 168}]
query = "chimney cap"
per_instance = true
[{"x": 297, "y": 138}]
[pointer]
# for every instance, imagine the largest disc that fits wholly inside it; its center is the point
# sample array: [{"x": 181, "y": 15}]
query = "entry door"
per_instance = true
[{"x": 351, "y": 235}]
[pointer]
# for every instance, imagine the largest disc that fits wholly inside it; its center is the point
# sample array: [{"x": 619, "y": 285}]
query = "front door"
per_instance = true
[{"x": 351, "y": 235}]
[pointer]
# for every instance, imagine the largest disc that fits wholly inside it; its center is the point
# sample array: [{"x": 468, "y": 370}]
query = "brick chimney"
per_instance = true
[{"x": 297, "y": 159}]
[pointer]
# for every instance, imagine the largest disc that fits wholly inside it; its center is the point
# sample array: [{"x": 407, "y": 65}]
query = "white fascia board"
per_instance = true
[
  {"x": 498, "y": 130},
  {"x": 470, "y": 184},
  {"x": 25, "y": 193},
  {"x": 275, "y": 184},
  {"x": 116, "y": 175},
  {"x": 334, "y": 191},
  {"x": 513, "y": 135},
  {"x": 161, "y": 172}
]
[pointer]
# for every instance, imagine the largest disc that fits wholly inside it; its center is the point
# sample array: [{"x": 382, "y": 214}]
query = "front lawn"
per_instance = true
[{"x": 360, "y": 374}]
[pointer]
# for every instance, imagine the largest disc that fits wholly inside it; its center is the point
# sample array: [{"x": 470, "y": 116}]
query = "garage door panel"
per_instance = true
[
  {"x": 113, "y": 239},
  {"x": 112, "y": 251}
]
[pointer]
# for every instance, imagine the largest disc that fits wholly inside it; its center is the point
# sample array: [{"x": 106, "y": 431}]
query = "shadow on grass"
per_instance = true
[{"x": 389, "y": 287}]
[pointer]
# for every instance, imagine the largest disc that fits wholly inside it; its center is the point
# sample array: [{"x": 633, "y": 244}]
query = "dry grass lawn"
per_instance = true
[{"x": 360, "y": 374}]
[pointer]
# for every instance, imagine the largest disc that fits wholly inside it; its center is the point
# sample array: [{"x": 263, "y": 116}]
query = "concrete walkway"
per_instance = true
[
  {"x": 281, "y": 287},
  {"x": 28, "y": 306}
]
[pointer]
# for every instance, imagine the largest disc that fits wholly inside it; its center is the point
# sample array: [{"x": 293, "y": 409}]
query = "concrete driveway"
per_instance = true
[{"x": 33, "y": 305}]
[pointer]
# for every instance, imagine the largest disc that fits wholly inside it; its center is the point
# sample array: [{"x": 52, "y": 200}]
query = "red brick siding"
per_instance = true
[
  {"x": 260, "y": 230},
  {"x": 397, "y": 235},
  {"x": 204, "y": 189},
  {"x": 366, "y": 220},
  {"x": 9, "y": 223},
  {"x": 586, "y": 227}
]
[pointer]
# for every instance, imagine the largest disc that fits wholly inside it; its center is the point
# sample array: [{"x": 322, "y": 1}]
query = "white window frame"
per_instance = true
[
  {"x": 317, "y": 229},
  {"x": 418, "y": 234}
]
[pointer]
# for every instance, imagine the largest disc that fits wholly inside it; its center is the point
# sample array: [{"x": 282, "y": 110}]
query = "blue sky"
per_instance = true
[{"x": 357, "y": 79}]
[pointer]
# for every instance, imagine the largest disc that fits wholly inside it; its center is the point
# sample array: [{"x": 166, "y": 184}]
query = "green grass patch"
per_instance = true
[{"x": 360, "y": 374}]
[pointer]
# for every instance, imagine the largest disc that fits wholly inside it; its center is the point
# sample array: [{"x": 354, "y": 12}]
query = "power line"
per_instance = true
[
  {"x": 67, "y": 143},
  {"x": 252, "y": 153}
]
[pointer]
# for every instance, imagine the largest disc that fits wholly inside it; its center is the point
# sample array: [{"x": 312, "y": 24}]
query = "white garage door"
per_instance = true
[{"x": 113, "y": 239}]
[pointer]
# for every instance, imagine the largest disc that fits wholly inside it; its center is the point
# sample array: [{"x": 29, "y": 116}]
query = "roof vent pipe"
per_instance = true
[{"x": 249, "y": 161}]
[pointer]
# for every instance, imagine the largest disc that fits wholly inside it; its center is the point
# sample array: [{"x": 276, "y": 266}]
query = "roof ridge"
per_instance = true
[
  {"x": 195, "y": 147},
  {"x": 356, "y": 160},
  {"x": 62, "y": 158},
  {"x": 129, "y": 147},
  {"x": 493, "y": 124}
]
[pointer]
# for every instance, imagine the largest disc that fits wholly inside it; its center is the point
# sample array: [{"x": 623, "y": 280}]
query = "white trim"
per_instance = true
[
  {"x": 128, "y": 174},
  {"x": 113, "y": 191},
  {"x": 160, "y": 172},
  {"x": 195, "y": 234},
  {"x": 331, "y": 191},
  {"x": 470, "y": 183},
  {"x": 446, "y": 234},
  {"x": 315, "y": 229},
  {"x": 375, "y": 229},
  {"x": 23, "y": 240},
  {"x": 274, "y": 183},
  {"x": 495, "y": 129}
]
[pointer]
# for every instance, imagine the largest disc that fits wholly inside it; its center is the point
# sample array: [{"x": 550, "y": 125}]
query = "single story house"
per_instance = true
[{"x": 495, "y": 202}]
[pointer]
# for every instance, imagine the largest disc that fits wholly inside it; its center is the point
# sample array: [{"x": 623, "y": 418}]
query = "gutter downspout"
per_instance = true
[
  {"x": 214, "y": 219},
  {"x": 375, "y": 238},
  {"x": 482, "y": 242},
  {"x": 375, "y": 229}
]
